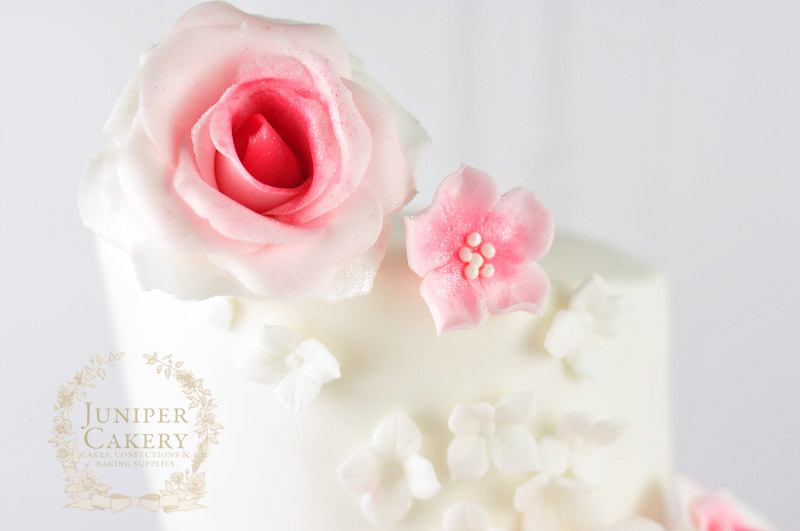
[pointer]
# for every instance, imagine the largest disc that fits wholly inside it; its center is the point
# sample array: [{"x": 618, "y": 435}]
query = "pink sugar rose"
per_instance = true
[
  {"x": 476, "y": 250},
  {"x": 715, "y": 513},
  {"x": 250, "y": 157}
]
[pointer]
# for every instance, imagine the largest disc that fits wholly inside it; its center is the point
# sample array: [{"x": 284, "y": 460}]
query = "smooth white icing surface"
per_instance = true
[{"x": 275, "y": 469}]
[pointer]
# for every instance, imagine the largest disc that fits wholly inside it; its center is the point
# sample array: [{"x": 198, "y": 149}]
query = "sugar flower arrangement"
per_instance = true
[{"x": 251, "y": 157}]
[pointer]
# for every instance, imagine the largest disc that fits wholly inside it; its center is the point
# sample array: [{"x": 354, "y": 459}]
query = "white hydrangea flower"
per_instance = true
[
  {"x": 464, "y": 516},
  {"x": 635, "y": 524},
  {"x": 218, "y": 312},
  {"x": 484, "y": 432},
  {"x": 389, "y": 473},
  {"x": 578, "y": 331},
  {"x": 555, "y": 503},
  {"x": 298, "y": 367},
  {"x": 574, "y": 448}
]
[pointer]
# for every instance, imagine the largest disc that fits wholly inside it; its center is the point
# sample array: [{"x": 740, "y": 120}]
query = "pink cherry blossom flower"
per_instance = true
[{"x": 477, "y": 251}]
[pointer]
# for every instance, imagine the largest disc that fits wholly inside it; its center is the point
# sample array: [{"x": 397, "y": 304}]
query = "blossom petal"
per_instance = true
[
  {"x": 578, "y": 506},
  {"x": 566, "y": 334},
  {"x": 280, "y": 340},
  {"x": 572, "y": 425},
  {"x": 468, "y": 457},
  {"x": 513, "y": 449},
  {"x": 468, "y": 419},
  {"x": 519, "y": 226},
  {"x": 513, "y": 288},
  {"x": 454, "y": 301},
  {"x": 553, "y": 456},
  {"x": 590, "y": 294},
  {"x": 613, "y": 315},
  {"x": 435, "y": 235},
  {"x": 585, "y": 361},
  {"x": 531, "y": 495},
  {"x": 516, "y": 408},
  {"x": 464, "y": 516},
  {"x": 605, "y": 432},
  {"x": 388, "y": 504},
  {"x": 361, "y": 472},
  {"x": 320, "y": 365},
  {"x": 396, "y": 438},
  {"x": 296, "y": 390},
  {"x": 262, "y": 365},
  {"x": 421, "y": 477},
  {"x": 585, "y": 462}
]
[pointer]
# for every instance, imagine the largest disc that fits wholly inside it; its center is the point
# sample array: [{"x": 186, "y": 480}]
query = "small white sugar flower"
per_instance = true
[
  {"x": 578, "y": 331},
  {"x": 485, "y": 432},
  {"x": 464, "y": 516},
  {"x": 549, "y": 502},
  {"x": 297, "y": 366},
  {"x": 575, "y": 447},
  {"x": 389, "y": 473}
]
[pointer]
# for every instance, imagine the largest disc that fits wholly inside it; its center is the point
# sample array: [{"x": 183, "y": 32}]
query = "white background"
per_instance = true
[{"x": 669, "y": 129}]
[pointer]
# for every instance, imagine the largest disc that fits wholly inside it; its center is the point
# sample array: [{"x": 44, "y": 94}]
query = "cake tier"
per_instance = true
[{"x": 274, "y": 469}]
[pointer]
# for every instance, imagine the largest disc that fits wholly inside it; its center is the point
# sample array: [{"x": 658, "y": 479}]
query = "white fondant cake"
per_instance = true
[{"x": 279, "y": 467}]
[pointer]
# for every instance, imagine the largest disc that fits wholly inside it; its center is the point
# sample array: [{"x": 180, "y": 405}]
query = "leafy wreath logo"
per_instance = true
[{"x": 182, "y": 490}]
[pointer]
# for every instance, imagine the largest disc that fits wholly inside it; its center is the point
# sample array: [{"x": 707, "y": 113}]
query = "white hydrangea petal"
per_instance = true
[
  {"x": 262, "y": 365},
  {"x": 360, "y": 473},
  {"x": 387, "y": 504},
  {"x": 611, "y": 317},
  {"x": 464, "y": 516},
  {"x": 218, "y": 312},
  {"x": 635, "y": 524},
  {"x": 553, "y": 456},
  {"x": 605, "y": 432},
  {"x": 421, "y": 477},
  {"x": 469, "y": 419},
  {"x": 585, "y": 462},
  {"x": 566, "y": 334},
  {"x": 572, "y": 425},
  {"x": 516, "y": 408},
  {"x": 396, "y": 438},
  {"x": 279, "y": 338},
  {"x": 585, "y": 361},
  {"x": 531, "y": 496},
  {"x": 590, "y": 294},
  {"x": 578, "y": 509},
  {"x": 296, "y": 390},
  {"x": 468, "y": 457},
  {"x": 320, "y": 365},
  {"x": 544, "y": 519},
  {"x": 513, "y": 449}
]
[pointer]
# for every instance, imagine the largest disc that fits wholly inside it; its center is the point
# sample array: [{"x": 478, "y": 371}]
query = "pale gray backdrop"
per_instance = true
[{"x": 669, "y": 129}]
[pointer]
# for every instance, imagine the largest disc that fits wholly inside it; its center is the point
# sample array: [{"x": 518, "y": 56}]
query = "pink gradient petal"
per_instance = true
[
  {"x": 713, "y": 513},
  {"x": 435, "y": 235},
  {"x": 304, "y": 36},
  {"x": 518, "y": 288},
  {"x": 304, "y": 268},
  {"x": 453, "y": 301},
  {"x": 388, "y": 171},
  {"x": 519, "y": 226}
]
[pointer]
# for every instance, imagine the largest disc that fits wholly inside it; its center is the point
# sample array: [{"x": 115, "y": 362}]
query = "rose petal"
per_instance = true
[
  {"x": 305, "y": 268},
  {"x": 396, "y": 438},
  {"x": 454, "y": 301},
  {"x": 296, "y": 390},
  {"x": 567, "y": 333},
  {"x": 468, "y": 457},
  {"x": 519, "y": 226},
  {"x": 320, "y": 365},
  {"x": 513, "y": 449},
  {"x": 388, "y": 504},
  {"x": 553, "y": 456},
  {"x": 421, "y": 477},
  {"x": 516, "y": 408},
  {"x": 361, "y": 472},
  {"x": 469, "y": 419},
  {"x": 465, "y": 517},
  {"x": 513, "y": 288}
]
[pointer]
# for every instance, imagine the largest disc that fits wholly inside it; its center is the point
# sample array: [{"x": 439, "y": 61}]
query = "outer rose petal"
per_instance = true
[
  {"x": 519, "y": 226},
  {"x": 299, "y": 270},
  {"x": 454, "y": 301},
  {"x": 361, "y": 472},
  {"x": 421, "y": 477},
  {"x": 513, "y": 289},
  {"x": 296, "y": 390},
  {"x": 387, "y": 504},
  {"x": 513, "y": 449},
  {"x": 468, "y": 419},
  {"x": 396, "y": 438},
  {"x": 434, "y": 236},
  {"x": 516, "y": 408},
  {"x": 465, "y": 517},
  {"x": 468, "y": 457}
]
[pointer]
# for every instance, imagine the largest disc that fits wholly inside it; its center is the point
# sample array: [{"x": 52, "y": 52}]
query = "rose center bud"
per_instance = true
[{"x": 266, "y": 155}]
